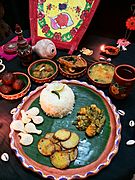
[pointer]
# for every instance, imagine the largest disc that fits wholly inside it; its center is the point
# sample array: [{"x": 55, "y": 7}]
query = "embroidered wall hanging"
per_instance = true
[{"x": 62, "y": 21}]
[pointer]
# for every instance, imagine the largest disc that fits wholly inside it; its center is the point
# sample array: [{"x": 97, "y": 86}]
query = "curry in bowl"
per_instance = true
[
  {"x": 43, "y": 70},
  {"x": 101, "y": 73}
]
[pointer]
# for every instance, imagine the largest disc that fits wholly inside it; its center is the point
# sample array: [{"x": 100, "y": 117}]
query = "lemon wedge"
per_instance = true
[{"x": 59, "y": 87}]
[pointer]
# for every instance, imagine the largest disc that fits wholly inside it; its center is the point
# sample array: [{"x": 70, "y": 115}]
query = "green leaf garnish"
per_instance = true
[{"x": 56, "y": 92}]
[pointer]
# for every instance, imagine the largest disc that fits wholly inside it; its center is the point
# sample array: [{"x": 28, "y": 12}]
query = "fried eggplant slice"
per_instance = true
[
  {"x": 60, "y": 159},
  {"x": 71, "y": 142},
  {"x": 62, "y": 134},
  {"x": 46, "y": 147}
]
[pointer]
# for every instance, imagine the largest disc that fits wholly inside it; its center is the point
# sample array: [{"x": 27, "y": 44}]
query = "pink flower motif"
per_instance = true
[
  {"x": 40, "y": 15},
  {"x": 84, "y": 14},
  {"x": 89, "y": 1},
  {"x": 123, "y": 42},
  {"x": 42, "y": 1},
  {"x": 62, "y": 19},
  {"x": 73, "y": 31},
  {"x": 57, "y": 36},
  {"x": 45, "y": 29}
]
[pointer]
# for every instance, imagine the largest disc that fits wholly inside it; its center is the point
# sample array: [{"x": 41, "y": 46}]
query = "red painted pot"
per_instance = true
[{"x": 123, "y": 81}]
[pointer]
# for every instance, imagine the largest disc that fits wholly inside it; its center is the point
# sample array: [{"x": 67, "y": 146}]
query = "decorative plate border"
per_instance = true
[{"x": 75, "y": 176}]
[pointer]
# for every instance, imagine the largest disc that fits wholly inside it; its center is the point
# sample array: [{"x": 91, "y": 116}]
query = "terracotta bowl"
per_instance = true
[
  {"x": 110, "y": 51},
  {"x": 21, "y": 93},
  {"x": 73, "y": 75},
  {"x": 36, "y": 64},
  {"x": 101, "y": 73}
]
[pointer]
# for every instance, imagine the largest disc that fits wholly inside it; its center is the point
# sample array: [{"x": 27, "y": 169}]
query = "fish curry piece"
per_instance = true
[{"x": 72, "y": 64}]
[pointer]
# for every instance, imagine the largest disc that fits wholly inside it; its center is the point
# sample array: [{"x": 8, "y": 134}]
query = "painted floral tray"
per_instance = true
[
  {"x": 97, "y": 152},
  {"x": 64, "y": 22}
]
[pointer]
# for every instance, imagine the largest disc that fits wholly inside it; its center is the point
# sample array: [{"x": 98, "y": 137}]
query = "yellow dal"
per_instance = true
[{"x": 102, "y": 73}]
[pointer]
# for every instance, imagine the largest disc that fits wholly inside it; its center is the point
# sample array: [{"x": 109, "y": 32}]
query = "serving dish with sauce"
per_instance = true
[
  {"x": 101, "y": 73},
  {"x": 43, "y": 70}
]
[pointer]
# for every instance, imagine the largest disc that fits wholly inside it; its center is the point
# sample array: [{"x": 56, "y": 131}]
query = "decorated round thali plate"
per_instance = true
[{"x": 94, "y": 153}]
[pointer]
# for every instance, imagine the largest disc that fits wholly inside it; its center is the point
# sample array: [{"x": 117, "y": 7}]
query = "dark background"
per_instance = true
[{"x": 109, "y": 19}]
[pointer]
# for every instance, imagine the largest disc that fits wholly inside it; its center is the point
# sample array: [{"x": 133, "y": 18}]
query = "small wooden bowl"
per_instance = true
[
  {"x": 73, "y": 75},
  {"x": 21, "y": 93},
  {"x": 102, "y": 73},
  {"x": 43, "y": 61}
]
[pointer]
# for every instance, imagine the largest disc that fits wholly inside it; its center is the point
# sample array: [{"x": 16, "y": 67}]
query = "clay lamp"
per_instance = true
[{"x": 109, "y": 51}]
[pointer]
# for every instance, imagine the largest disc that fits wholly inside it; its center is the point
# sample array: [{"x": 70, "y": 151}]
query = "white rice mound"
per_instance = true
[{"x": 52, "y": 105}]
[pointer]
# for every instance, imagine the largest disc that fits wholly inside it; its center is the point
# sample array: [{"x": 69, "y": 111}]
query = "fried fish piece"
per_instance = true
[{"x": 72, "y": 62}]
